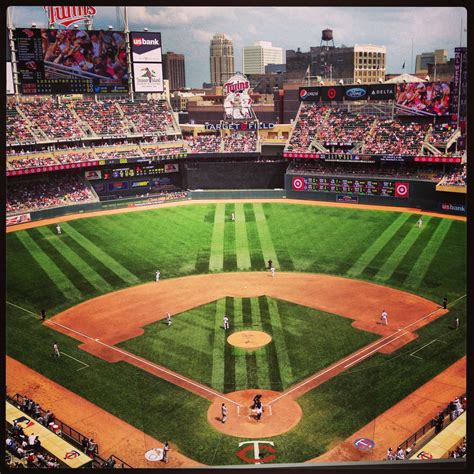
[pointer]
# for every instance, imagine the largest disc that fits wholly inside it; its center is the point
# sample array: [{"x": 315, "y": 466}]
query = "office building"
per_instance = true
[
  {"x": 257, "y": 56},
  {"x": 221, "y": 59},
  {"x": 438, "y": 56},
  {"x": 174, "y": 71}
]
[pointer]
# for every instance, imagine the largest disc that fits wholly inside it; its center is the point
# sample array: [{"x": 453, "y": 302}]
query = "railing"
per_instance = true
[
  {"x": 425, "y": 429},
  {"x": 76, "y": 438}
]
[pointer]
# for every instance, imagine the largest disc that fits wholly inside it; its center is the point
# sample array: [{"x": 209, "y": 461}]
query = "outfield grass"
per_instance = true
[
  {"x": 304, "y": 341},
  {"x": 101, "y": 254}
]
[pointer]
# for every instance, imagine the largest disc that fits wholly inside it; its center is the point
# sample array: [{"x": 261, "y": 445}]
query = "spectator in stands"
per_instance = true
[
  {"x": 390, "y": 456},
  {"x": 400, "y": 456}
]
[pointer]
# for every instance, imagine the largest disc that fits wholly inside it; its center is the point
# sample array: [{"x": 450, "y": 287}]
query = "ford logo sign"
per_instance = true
[{"x": 356, "y": 92}]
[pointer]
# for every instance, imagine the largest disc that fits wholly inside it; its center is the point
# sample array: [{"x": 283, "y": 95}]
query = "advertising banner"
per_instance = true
[
  {"x": 147, "y": 77},
  {"x": 310, "y": 94},
  {"x": 382, "y": 91},
  {"x": 140, "y": 184},
  {"x": 146, "y": 47},
  {"x": 356, "y": 92},
  {"x": 172, "y": 168},
  {"x": 118, "y": 186},
  {"x": 20, "y": 219},
  {"x": 332, "y": 93},
  {"x": 92, "y": 174}
]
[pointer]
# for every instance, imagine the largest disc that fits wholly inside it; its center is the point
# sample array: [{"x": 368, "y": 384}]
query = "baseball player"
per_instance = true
[
  {"x": 272, "y": 269},
  {"x": 56, "y": 350},
  {"x": 157, "y": 275},
  {"x": 43, "y": 315},
  {"x": 58, "y": 229},
  {"x": 259, "y": 408},
  {"x": 224, "y": 413},
  {"x": 384, "y": 317},
  {"x": 226, "y": 322},
  {"x": 166, "y": 449},
  {"x": 233, "y": 216},
  {"x": 168, "y": 319},
  {"x": 420, "y": 222},
  {"x": 456, "y": 322}
]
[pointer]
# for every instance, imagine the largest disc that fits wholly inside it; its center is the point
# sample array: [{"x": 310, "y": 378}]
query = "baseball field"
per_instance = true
[{"x": 330, "y": 366}]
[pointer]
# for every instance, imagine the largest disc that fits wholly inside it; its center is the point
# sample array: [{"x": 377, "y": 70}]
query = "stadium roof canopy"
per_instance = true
[{"x": 404, "y": 78}]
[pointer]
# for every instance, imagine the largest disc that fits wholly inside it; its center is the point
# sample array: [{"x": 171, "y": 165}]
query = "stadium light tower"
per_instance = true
[
  {"x": 145, "y": 29},
  {"x": 33, "y": 25},
  {"x": 111, "y": 27}
]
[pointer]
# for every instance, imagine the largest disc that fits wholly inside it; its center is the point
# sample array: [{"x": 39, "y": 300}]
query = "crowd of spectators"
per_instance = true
[
  {"x": 18, "y": 130},
  {"x": 441, "y": 133},
  {"x": 31, "y": 162},
  {"x": 460, "y": 451},
  {"x": 392, "y": 137},
  {"x": 55, "y": 191},
  {"x": 204, "y": 143},
  {"x": 55, "y": 120},
  {"x": 74, "y": 157},
  {"x": 342, "y": 127},
  {"x": 455, "y": 178},
  {"x": 241, "y": 142},
  {"x": 103, "y": 117},
  {"x": 363, "y": 169},
  {"x": 153, "y": 151},
  {"x": 310, "y": 119},
  {"x": 148, "y": 117},
  {"x": 117, "y": 154}
]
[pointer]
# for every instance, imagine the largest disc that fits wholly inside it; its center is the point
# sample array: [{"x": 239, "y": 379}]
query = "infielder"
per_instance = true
[
  {"x": 157, "y": 275},
  {"x": 273, "y": 271},
  {"x": 224, "y": 413},
  {"x": 58, "y": 229},
  {"x": 226, "y": 322},
  {"x": 168, "y": 319},
  {"x": 384, "y": 317},
  {"x": 420, "y": 222},
  {"x": 56, "y": 350}
]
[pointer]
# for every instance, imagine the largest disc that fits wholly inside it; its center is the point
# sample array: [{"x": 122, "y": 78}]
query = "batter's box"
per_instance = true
[
  {"x": 429, "y": 349},
  {"x": 247, "y": 412}
]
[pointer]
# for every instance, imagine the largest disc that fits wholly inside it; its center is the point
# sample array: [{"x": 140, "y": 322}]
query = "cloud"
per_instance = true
[{"x": 202, "y": 36}]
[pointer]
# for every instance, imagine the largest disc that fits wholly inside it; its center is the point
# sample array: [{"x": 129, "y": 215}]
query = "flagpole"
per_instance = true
[{"x": 413, "y": 72}]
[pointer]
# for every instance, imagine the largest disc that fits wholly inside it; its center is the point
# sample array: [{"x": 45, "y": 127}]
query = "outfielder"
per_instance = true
[
  {"x": 58, "y": 229},
  {"x": 420, "y": 222},
  {"x": 157, "y": 275},
  {"x": 56, "y": 350},
  {"x": 233, "y": 216},
  {"x": 273, "y": 271}
]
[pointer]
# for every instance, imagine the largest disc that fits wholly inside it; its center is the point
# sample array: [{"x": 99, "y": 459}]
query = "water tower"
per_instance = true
[{"x": 326, "y": 38}]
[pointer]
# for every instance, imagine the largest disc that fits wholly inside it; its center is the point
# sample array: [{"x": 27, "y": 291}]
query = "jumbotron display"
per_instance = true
[
  {"x": 71, "y": 61},
  {"x": 361, "y": 187}
]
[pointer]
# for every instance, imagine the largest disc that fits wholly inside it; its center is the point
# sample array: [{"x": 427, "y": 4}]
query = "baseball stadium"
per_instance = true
[{"x": 263, "y": 275}]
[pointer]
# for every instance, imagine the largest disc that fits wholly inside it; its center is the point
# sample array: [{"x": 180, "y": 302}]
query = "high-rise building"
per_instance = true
[
  {"x": 221, "y": 59},
  {"x": 173, "y": 70},
  {"x": 257, "y": 56},
  {"x": 438, "y": 56}
]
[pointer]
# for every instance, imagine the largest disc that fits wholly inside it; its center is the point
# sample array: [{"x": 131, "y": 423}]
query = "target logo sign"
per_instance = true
[
  {"x": 298, "y": 184},
  {"x": 332, "y": 93},
  {"x": 402, "y": 190}
]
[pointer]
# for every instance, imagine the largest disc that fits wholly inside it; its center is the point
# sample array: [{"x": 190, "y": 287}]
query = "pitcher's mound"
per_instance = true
[
  {"x": 249, "y": 339},
  {"x": 277, "y": 418}
]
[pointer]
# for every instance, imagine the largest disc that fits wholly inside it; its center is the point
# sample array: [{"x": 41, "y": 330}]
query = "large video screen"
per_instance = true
[
  {"x": 71, "y": 61},
  {"x": 423, "y": 98}
]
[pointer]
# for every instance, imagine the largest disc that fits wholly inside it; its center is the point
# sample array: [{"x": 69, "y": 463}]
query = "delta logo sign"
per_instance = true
[{"x": 67, "y": 16}]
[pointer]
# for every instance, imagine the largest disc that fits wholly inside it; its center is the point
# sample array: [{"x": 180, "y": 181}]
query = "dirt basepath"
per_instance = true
[
  {"x": 399, "y": 422},
  {"x": 29, "y": 225},
  {"x": 113, "y": 435},
  {"x": 102, "y": 322}
]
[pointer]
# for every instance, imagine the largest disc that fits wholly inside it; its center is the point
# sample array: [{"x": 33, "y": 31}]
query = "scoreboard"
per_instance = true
[
  {"x": 361, "y": 187},
  {"x": 131, "y": 172}
]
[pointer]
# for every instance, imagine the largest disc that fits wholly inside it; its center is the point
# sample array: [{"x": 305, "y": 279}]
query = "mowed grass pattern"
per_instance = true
[
  {"x": 304, "y": 341},
  {"x": 102, "y": 254}
]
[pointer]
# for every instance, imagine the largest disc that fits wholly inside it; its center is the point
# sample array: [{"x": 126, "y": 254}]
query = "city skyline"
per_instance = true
[{"x": 188, "y": 30}]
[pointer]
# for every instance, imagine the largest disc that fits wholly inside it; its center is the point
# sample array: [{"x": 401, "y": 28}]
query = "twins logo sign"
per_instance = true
[
  {"x": 298, "y": 184},
  {"x": 258, "y": 448},
  {"x": 402, "y": 190}
]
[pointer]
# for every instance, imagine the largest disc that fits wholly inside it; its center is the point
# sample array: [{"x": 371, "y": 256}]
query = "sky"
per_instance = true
[{"x": 188, "y": 30}]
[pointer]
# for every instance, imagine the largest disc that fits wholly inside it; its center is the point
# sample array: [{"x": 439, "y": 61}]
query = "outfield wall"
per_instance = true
[{"x": 422, "y": 195}]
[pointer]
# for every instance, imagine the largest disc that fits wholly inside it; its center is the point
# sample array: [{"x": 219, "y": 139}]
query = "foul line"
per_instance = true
[
  {"x": 77, "y": 360},
  {"x": 146, "y": 362},
  {"x": 23, "y": 309},
  {"x": 426, "y": 345}
]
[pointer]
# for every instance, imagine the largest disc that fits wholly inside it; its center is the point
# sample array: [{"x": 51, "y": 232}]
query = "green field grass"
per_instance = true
[
  {"x": 304, "y": 341},
  {"x": 102, "y": 254}
]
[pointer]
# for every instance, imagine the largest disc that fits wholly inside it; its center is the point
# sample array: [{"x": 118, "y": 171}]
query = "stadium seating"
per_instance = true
[
  {"x": 441, "y": 133},
  {"x": 241, "y": 143},
  {"x": 204, "y": 143},
  {"x": 457, "y": 177},
  {"x": 54, "y": 191},
  {"x": 18, "y": 130}
]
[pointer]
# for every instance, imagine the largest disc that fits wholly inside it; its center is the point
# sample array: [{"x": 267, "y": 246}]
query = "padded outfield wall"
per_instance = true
[{"x": 422, "y": 195}]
